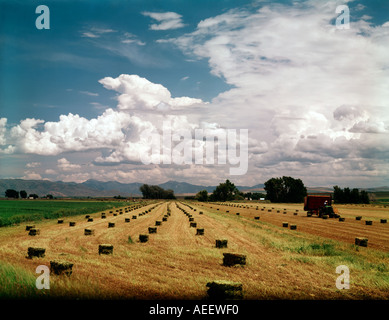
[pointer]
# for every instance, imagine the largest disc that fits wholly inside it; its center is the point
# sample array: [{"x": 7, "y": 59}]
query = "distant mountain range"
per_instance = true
[{"x": 94, "y": 188}]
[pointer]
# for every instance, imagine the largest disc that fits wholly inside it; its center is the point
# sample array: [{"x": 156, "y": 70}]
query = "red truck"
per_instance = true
[{"x": 319, "y": 205}]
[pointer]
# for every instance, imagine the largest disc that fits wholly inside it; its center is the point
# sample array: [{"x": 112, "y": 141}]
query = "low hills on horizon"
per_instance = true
[{"x": 95, "y": 188}]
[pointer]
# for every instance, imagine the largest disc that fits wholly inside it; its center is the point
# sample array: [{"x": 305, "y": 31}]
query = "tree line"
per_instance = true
[
  {"x": 11, "y": 193},
  {"x": 285, "y": 189},
  {"x": 348, "y": 195},
  {"x": 279, "y": 190}
]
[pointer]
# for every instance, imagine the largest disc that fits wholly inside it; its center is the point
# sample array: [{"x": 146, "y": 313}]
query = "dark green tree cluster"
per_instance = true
[
  {"x": 11, "y": 193},
  {"x": 202, "y": 196},
  {"x": 347, "y": 195},
  {"x": 285, "y": 189},
  {"x": 226, "y": 191},
  {"x": 156, "y": 192}
]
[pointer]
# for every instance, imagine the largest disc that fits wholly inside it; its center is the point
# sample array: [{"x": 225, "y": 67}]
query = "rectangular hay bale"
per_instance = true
[
  {"x": 89, "y": 232},
  {"x": 61, "y": 267},
  {"x": 359, "y": 241},
  {"x": 105, "y": 249},
  {"x": 143, "y": 238},
  {"x": 222, "y": 289},
  {"x": 221, "y": 243},
  {"x": 231, "y": 259},
  {"x": 35, "y": 252}
]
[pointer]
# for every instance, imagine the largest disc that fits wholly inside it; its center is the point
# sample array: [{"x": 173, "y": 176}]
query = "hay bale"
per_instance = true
[
  {"x": 164, "y": 219},
  {"x": 285, "y": 224},
  {"x": 60, "y": 221},
  {"x": 383, "y": 221},
  {"x": 34, "y": 232},
  {"x": 222, "y": 289},
  {"x": 221, "y": 243},
  {"x": 152, "y": 229},
  {"x": 231, "y": 259},
  {"x": 238, "y": 214},
  {"x": 134, "y": 217},
  {"x": 111, "y": 224},
  {"x": 369, "y": 222},
  {"x": 358, "y": 218},
  {"x": 72, "y": 223},
  {"x": 341, "y": 219},
  {"x": 87, "y": 216},
  {"x": 158, "y": 223},
  {"x": 293, "y": 227},
  {"x": 127, "y": 220},
  {"x": 256, "y": 218},
  {"x": 359, "y": 241},
  {"x": 90, "y": 220},
  {"x": 35, "y": 252},
  {"x": 29, "y": 226},
  {"x": 294, "y": 213},
  {"x": 89, "y": 232},
  {"x": 200, "y": 232},
  {"x": 103, "y": 216},
  {"x": 105, "y": 249},
  {"x": 143, "y": 238},
  {"x": 191, "y": 219},
  {"x": 193, "y": 225},
  {"x": 61, "y": 267}
]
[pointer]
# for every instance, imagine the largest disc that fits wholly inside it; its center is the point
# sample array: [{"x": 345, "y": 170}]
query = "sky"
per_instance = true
[{"x": 312, "y": 91}]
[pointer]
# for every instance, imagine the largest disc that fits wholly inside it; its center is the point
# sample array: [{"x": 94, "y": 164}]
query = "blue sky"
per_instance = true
[
  {"x": 312, "y": 96},
  {"x": 34, "y": 58}
]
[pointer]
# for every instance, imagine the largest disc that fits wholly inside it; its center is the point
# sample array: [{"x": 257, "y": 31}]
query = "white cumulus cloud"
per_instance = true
[{"x": 166, "y": 20}]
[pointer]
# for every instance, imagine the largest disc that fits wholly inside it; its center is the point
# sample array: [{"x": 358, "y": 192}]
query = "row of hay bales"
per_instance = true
[
  {"x": 223, "y": 289},
  {"x": 33, "y": 231},
  {"x": 153, "y": 229},
  {"x": 192, "y": 222}
]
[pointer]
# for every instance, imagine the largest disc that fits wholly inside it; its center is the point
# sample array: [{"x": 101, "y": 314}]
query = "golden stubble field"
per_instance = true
[{"x": 177, "y": 264}]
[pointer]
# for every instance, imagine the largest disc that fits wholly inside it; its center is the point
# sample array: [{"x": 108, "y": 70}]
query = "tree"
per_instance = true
[
  {"x": 350, "y": 196},
  {"x": 338, "y": 195},
  {"x": 11, "y": 193},
  {"x": 364, "y": 197},
  {"x": 156, "y": 192},
  {"x": 33, "y": 195},
  {"x": 23, "y": 194},
  {"x": 285, "y": 189},
  {"x": 226, "y": 192},
  {"x": 202, "y": 195}
]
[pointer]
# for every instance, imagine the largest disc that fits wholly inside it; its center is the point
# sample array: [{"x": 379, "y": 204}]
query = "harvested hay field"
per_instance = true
[{"x": 176, "y": 263}]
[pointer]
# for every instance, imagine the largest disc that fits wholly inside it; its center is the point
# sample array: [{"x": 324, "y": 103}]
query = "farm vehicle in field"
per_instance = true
[{"x": 319, "y": 205}]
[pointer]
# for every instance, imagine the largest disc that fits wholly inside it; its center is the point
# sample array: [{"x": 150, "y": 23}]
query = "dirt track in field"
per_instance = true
[
  {"x": 176, "y": 263},
  {"x": 332, "y": 228}
]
